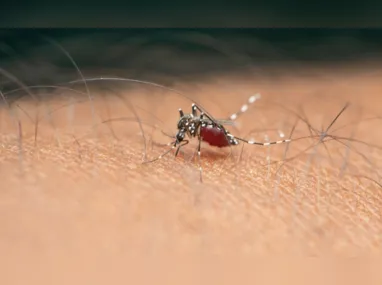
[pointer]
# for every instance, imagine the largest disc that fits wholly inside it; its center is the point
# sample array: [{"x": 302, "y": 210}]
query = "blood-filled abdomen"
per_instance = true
[{"x": 214, "y": 136}]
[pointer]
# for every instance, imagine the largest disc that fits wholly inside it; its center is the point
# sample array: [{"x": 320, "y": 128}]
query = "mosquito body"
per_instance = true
[
  {"x": 204, "y": 128},
  {"x": 201, "y": 125}
]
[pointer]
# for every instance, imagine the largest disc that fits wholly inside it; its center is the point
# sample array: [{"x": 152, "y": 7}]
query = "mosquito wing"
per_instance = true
[{"x": 226, "y": 122}]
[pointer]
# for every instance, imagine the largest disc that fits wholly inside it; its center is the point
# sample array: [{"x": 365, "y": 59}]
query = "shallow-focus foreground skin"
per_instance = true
[{"x": 77, "y": 201}]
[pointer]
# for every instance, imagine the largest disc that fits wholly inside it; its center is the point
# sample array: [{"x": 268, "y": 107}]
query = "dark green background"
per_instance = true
[
  {"x": 271, "y": 13},
  {"x": 186, "y": 53}
]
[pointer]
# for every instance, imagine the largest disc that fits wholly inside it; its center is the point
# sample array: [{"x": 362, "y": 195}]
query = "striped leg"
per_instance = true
[
  {"x": 174, "y": 145},
  {"x": 199, "y": 147},
  {"x": 245, "y": 107},
  {"x": 263, "y": 143}
]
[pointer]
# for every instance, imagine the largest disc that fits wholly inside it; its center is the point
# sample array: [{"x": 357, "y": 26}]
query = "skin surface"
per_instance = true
[{"x": 78, "y": 199}]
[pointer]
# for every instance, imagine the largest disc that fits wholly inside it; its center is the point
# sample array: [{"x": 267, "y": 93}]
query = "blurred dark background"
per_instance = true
[
  {"x": 36, "y": 56},
  {"x": 267, "y": 35},
  {"x": 171, "y": 14}
]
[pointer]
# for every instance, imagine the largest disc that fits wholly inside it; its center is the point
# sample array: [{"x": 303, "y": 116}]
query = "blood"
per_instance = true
[{"x": 214, "y": 136}]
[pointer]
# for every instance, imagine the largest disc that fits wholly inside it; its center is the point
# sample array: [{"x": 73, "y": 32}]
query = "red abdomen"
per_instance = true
[{"x": 214, "y": 136}]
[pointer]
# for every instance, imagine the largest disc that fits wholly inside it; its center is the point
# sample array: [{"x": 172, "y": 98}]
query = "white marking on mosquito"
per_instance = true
[
  {"x": 233, "y": 117},
  {"x": 281, "y": 134},
  {"x": 266, "y": 138},
  {"x": 253, "y": 98},
  {"x": 244, "y": 108}
]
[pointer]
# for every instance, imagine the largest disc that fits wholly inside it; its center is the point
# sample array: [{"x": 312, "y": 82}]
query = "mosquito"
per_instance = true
[{"x": 201, "y": 125}]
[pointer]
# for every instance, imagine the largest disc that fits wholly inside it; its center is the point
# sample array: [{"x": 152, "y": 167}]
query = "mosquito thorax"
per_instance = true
[{"x": 183, "y": 121}]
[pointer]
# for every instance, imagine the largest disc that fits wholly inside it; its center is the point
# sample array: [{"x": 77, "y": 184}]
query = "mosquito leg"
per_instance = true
[
  {"x": 245, "y": 107},
  {"x": 199, "y": 160},
  {"x": 199, "y": 148},
  {"x": 263, "y": 143},
  {"x": 185, "y": 142},
  {"x": 202, "y": 113},
  {"x": 163, "y": 154},
  {"x": 194, "y": 108},
  {"x": 161, "y": 144}
]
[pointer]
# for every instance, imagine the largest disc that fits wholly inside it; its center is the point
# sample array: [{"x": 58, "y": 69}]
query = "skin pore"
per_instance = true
[{"x": 76, "y": 194}]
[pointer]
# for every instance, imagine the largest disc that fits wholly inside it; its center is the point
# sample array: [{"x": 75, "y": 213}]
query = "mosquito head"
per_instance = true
[
  {"x": 182, "y": 126},
  {"x": 180, "y": 136}
]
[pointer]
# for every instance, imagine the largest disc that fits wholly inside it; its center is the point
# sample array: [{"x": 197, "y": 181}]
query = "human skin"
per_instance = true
[{"x": 77, "y": 199}]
